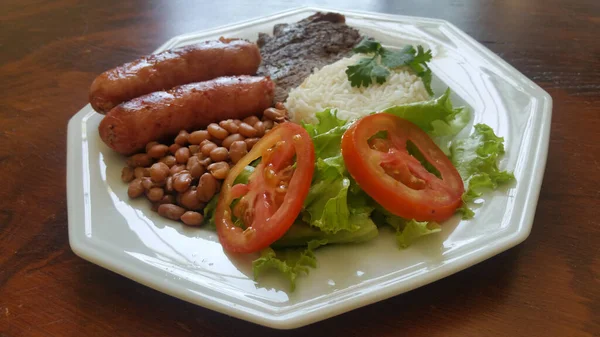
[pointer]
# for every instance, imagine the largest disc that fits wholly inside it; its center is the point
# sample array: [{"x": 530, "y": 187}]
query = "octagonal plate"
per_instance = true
[{"x": 125, "y": 236}]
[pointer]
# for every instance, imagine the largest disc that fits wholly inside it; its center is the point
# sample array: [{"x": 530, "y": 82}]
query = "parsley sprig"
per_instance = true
[{"x": 377, "y": 67}]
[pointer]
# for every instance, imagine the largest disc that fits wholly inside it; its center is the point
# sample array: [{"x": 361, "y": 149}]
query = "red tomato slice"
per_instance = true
[
  {"x": 272, "y": 199},
  {"x": 398, "y": 181}
]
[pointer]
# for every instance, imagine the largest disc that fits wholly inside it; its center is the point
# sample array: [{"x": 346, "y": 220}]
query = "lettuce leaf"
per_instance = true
[
  {"x": 330, "y": 168},
  {"x": 209, "y": 212},
  {"x": 437, "y": 117},
  {"x": 476, "y": 159},
  {"x": 407, "y": 231},
  {"x": 291, "y": 263},
  {"x": 244, "y": 176},
  {"x": 327, "y": 120},
  {"x": 327, "y": 134},
  {"x": 359, "y": 201},
  {"x": 327, "y": 204},
  {"x": 300, "y": 233},
  {"x": 466, "y": 211},
  {"x": 413, "y": 230}
]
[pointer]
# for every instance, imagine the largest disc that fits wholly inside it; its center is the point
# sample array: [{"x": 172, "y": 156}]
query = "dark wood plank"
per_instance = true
[{"x": 52, "y": 50}]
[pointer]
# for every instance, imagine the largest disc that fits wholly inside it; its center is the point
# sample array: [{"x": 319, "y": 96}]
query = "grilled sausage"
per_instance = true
[
  {"x": 163, "y": 71},
  {"x": 131, "y": 125}
]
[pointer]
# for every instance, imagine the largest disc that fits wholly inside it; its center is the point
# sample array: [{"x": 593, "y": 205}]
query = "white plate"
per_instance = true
[{"x": 125, "y": 236}]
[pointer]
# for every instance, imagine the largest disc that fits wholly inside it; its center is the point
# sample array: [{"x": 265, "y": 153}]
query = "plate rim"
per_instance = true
[{"x": 88, "y": 250}]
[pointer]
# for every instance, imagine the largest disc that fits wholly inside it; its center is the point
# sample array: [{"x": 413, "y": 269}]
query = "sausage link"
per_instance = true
[
  {"x": 195, "y": 63},
  {"x": 131, "y": 125}
]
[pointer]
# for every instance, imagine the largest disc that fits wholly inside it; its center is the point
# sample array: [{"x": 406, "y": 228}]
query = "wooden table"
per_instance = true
[{"x": 52, "y": 50}]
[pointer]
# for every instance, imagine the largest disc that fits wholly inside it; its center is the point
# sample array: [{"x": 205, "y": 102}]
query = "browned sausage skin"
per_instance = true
[
  {"x": 130, "y": 126},
  {"x": 195, "y": 63}
]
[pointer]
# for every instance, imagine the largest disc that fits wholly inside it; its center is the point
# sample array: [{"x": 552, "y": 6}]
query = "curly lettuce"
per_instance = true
[
  {"x": 476, "y": 159},
  {"x": 290, "y": 263},
  {"x": 407, "y": 231},
  {"x": 437, "y": 117},
  {"x": 327, "y": 204},
  {"x": 338, "y": 211}
]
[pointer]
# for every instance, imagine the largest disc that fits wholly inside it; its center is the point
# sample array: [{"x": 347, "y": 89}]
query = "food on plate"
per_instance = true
[
  {"x": 179, "y": 179},
  {"x": 368, "y": 146},
  {"x": 379, "y": 60},
  {"x": 195, "y": 63},
  {"x": 131, "y": 125},
  {"x": 342, "y": 206},
  {"x": 295, "y": 49},
  {"x": 385, "y": 154},
  {"x": 330, "y": 87},
  {"x": 271, "y": 199}
]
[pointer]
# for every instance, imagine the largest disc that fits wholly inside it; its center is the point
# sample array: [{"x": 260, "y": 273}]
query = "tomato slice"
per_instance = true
[
  {"x": 269, "y": 203},
  {"x": 382, "y": 166}
]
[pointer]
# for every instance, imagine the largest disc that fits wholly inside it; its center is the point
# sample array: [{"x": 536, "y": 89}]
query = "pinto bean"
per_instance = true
[
  {"x": 207, "y": 187},
  {"x": 238, "y": 150},
  {"x": 230, "y": 139},
  {"x": 171, "y": 211},
  {"x": 135, "y": 188},
  {"x": 182, "y": 138},
  {"x": 197, "y": 137},
  {"x": 247, "y": 130},
  {"x": 219, "y": 154},
  {"x": 139, "y": 160},
  {"x": 192, "y": 218},
  {"x": 219, "y": 170},
  {"x": 216, "y": 131}
]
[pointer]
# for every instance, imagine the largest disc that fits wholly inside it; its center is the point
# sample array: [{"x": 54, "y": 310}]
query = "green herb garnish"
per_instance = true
[{"x": 377, "y": 67}]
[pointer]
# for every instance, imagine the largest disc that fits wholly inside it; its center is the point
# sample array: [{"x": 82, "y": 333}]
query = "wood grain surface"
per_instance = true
[{"x": 52, "y": 50}]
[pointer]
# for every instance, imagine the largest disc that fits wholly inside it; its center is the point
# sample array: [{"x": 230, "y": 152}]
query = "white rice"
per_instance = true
[{"x": 329, "y": 88}]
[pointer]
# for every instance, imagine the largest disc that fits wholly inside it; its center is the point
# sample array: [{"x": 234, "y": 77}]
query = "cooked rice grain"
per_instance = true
[{"x": 329, "y": 88}]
